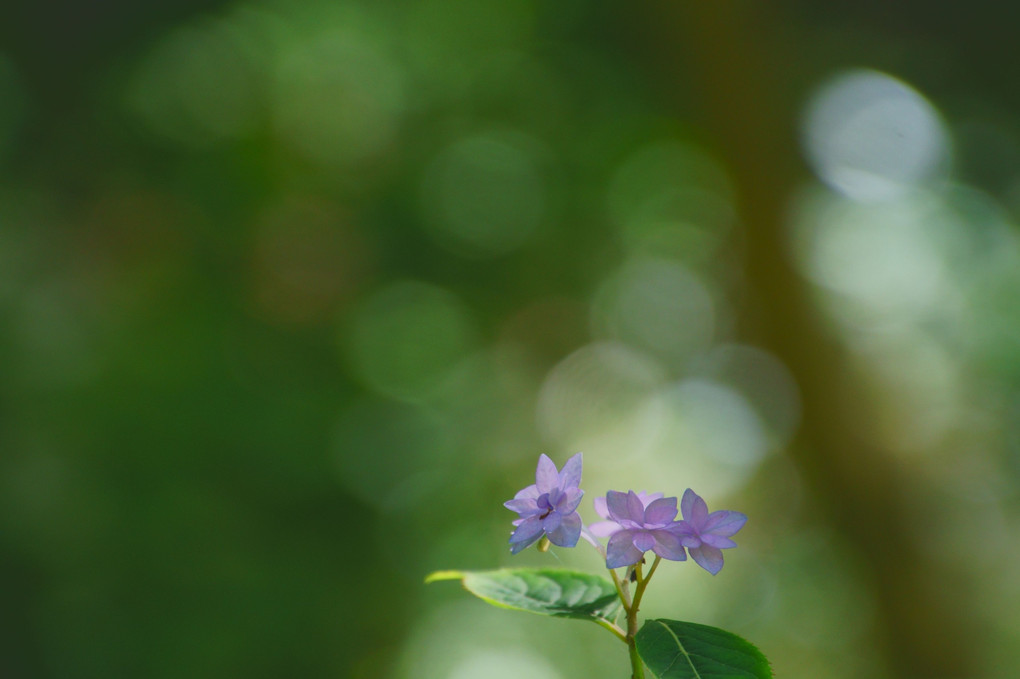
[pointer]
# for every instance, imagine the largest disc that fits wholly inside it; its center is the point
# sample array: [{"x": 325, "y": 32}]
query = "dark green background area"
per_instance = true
[{"x": 254, "y": 386}]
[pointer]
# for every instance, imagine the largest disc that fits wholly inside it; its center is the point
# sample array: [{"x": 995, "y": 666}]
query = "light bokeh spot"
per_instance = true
[
  {"x": 672, "y": 197},
  {"x": 338, "y": 95},
  {"x": 657, "y": 306},
  {"x": 710, "y": 439},
  {"x": 763, "y": 380},
  {"x": 503, "y": 663},
  {"x": 871, "y": 136},
  {"x": 200, "y": 84},
  {"x": 389, "y": 454},
  {"x": 484, "y": 195},
  {"x": 884, "y": 258},
  {"x": 595, "y": 400},
  {"x": 408, "y": 337}
]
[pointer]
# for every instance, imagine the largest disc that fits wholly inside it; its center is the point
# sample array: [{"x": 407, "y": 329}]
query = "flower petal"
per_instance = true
[
  {"x": 546, "y": 476},
  {"x": 526, "y": 533},
  {"x": 688, "y": 535},
  {"x": 647, "y": 498},
  {"x": 568, "y": 532},
  {"x": 724, "y": 523},
  {"x": 569, "y": 501},
  {"x": 600, "y": 506},
  {"x": 551, "y": 522},
  {"x": 523, "y": 506},
  {"x": 718, "y": 541},
  {"x": 707, "y": 557},
  {"x": 620, "y": 550},
  {"x": 635, "y": 508},
  {"x": 681, "y": 528},
  {"x": 694, "y": 509},
  {"x": 529, "y": 493},
  {"x": 643, "y": 540},
  {"x": 570, "y": 477},
  {"x": 616, "y": 503},
  {"x": 668, "y": 546},
  {"x": 660, "y": 511},
  {"x": 603, "y": 529}
]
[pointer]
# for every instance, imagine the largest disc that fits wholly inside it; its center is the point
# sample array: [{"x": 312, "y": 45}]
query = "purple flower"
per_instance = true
[
  {"x": 636, "y": 524},
  {"x": 604, "y": 529},
  {"x": 705, "y": 535},
  {"x": 549, "y": 507}
]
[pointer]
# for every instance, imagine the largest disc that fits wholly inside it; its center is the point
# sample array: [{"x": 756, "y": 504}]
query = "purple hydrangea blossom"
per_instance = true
[
  {"x": 549, "y": 507},
  {"x": 637, "y": 523},
  {"x": 603, "y": 529},
  {"x": 705, "y": 535}
]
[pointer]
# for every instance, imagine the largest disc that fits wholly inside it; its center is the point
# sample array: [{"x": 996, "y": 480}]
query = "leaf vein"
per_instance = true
[{"x": 682, "y": 650}]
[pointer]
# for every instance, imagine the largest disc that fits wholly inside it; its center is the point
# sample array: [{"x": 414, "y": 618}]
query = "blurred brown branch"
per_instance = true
[{"x": 734, "y": 54}]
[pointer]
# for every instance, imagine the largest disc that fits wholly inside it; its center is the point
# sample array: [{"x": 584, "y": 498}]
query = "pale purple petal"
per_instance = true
[
  {"x": 687, "y": 504},
  {"x": 660, "y": 511},
  {"x": 718, "y": 541},
  {"x": 546, "y": 476},
  {"x": 518, "y": 547},
  {"x": 616, "y": 503},
  {"x": 620, "y": 550},
  {"x": 551, "y": 522},
  {"x": 522, "y": 506},
  {"x": 647, "y": 498},
  {"x": 527, "y": 532},
  {"x": 695, "y": 511},
  {"x": 529, "y": 493},
  {"x": 600, "y": 506},
  {"x": 668, "y": 546},
  {"x": 568, "y": 532},
  {"x": 685, "y": 532},
  {"x": 681, "y": 529},
  {"x": 635, "y": 508},
  {"x": 603, "y": 529},
  {"x": 643, "y": 540},
  {"x": 690, "y": 541},
  {"x": 570, "y": 477},
  {"x": 707, "y": 557},
  {"x": 570, "y": 500},
  {"x": 724, "y": 523}
]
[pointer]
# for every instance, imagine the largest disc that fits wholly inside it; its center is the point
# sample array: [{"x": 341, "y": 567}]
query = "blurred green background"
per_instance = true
[{"x": 293, "y": 294}]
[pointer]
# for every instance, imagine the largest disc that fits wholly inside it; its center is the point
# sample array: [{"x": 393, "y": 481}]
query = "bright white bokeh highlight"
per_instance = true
[
  {"x": 885, "y": 260},
  {"x": 709, "y": 437},
  {"x": 503, "y": 663},
  {"x": 596, "y": 400},
  {"x": 871, "y": 136}
]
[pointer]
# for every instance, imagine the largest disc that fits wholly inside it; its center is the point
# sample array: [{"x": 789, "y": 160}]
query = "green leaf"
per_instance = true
[
  {"x": 686, "y": 650},
  {"x": 546, "y": 591}
]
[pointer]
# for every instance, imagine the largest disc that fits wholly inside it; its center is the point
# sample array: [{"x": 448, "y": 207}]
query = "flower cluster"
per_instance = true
[{"x": 633, "y": 523}]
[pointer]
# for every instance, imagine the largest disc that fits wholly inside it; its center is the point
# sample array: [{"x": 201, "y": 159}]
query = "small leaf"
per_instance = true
[
  {"x": 686, "y": 650},
  {"x": 546, "y": 591}
]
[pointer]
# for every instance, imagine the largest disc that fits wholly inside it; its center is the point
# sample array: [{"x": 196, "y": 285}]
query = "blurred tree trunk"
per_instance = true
[{"x": 733, "y": 54}]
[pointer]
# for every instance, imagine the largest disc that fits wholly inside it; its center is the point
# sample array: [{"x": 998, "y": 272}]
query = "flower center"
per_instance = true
[{"x": 543, "y": 501}]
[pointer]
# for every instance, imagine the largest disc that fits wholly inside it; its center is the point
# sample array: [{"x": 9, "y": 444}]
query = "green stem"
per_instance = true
[
  {"x": 620, "y": 590},
  {"x": 614, "y": 629},
  {"x": 636, "y": 664},
  {"x": 642, "y": 584}
]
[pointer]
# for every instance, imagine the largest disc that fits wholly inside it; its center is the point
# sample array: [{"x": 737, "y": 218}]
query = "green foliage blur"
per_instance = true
[{"x": 293, "y": 294}]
